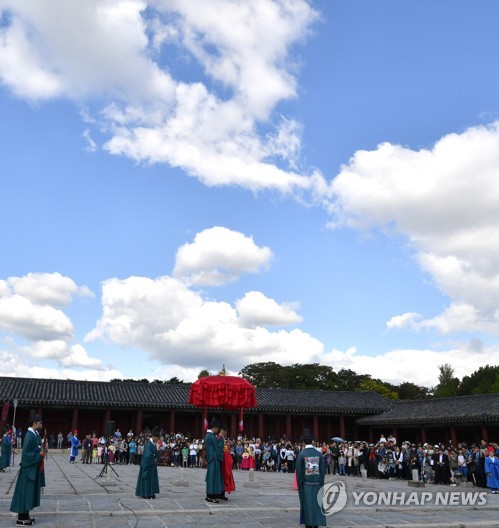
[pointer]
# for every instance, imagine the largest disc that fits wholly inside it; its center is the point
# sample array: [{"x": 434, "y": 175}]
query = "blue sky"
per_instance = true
[{"x": 184, "y": 187}]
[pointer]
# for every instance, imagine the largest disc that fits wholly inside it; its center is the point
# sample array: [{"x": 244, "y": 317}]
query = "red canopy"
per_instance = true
[{"x": 226, "y": 392}]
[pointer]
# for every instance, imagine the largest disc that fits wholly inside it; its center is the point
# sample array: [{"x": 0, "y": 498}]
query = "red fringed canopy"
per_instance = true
[{"x": 226, "y": 392}]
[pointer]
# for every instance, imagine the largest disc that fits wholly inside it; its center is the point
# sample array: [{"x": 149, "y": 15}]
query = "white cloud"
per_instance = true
[
  {"x": 18, "y": 314},
  {"x": 418, "y": 366},
  {"x": 405, "y": 320},
  {"x": 178, "y": 326},
  {"x": 445, "y": 200},
  {"x": 51, "y": 289},
  {"x": 66, "y": 355},
  {"x": 14, "y": 365},
  {"x": 209, "y": 126},
  {"x": 257, "y": 309},
  {"x": 219, "y": 255}
]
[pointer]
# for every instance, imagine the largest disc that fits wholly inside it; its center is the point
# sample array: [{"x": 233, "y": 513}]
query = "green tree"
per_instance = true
[
  {"x": 267, "y": 374},
  {"x": 309, "y": 376},
  {"x": 379, "y": 387},
  {"x": 481, "y": 381},
  {"x": 348, "y": 380},
  {"x": 411, "y": 391},
  {"x": 447, "y": 382},
  {"x": 203, "y": 374}
]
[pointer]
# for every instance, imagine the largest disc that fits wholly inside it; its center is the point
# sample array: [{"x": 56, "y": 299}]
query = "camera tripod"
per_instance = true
[{"x": 107, "y": 465}]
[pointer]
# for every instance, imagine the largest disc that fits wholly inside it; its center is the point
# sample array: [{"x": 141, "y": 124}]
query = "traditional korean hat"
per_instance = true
[
  {"x": 307, "y": 436},
  {"x": 34, "y": 417}
]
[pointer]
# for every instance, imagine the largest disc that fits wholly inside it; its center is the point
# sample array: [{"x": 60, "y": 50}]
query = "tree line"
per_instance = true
[{"x": 313, "y": 376}]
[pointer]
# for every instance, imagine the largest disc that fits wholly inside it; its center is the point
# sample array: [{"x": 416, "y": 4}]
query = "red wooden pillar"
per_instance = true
[
  {"x": 342, "y": 427},
  {"x": 423, "y": 435},
  {"x": 260, "y": 426},
  {"x": 453, "y": 435},
  {"x": 172, "y": 421},
  {"x": 74, "y": 420},
  {"x": 371, "y": 435},
  {"x": 288, "y": 426},
  {"x": 233, "y": 425},
  {"x": 138, "y": 427},
  {"x": 485, "y": 433},
  {"x": 316, "y": 428},
  {"x": 395, "y": 434},
  {"x": 328, "y": 430}
]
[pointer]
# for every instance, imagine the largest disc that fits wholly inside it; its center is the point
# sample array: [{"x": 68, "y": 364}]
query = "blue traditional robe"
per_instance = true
[
  {"x": 310, "y": 474},
  {"x": 74, "y": 448},
  {"x": 492, "y": 472}
]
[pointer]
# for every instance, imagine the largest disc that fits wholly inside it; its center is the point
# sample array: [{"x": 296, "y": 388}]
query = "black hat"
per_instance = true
[
  {"x": 216, "y": 422},
  {"x": 34, "y": 417},
  {"x": 307, "y": 436},
  {"x": 156, "y": 431}
]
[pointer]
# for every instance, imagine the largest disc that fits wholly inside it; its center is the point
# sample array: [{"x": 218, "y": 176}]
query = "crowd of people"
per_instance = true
[{"x": 437, "y": 463}]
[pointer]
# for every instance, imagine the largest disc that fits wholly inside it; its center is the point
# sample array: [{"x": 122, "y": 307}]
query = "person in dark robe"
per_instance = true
[
  {"x": 148, "y": 481},
  {"x": 214, "y": 483},
  {"x": 29, "y": 479},
  {"x": 6, "y": 449},
  {"x": 310, "y": 474}
]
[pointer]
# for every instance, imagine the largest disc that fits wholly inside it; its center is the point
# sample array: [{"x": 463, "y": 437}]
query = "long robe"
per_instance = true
[
  {"x": 74, "y": 448},
  {"x": 148, "y": 481},
  {"x": 29, "y": 479},
  {"x": 6, "y": 449},
  {"x": 214, "y": 483},
  {"x": 492, "y": 472},
  {"x": 228, "y": 477},
  {"x": 310, "y": 474}
]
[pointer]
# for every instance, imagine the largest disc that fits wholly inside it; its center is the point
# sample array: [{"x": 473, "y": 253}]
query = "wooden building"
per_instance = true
[{"x": 87, "y": 405}]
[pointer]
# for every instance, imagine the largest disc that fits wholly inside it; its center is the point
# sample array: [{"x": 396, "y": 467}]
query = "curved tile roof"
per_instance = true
[
  {"x": 477, "y": 408},
  {"x": 35, "y": 391}
]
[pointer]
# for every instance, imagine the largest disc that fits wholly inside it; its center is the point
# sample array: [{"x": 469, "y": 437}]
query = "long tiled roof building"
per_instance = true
[{"x": 69, "y": 404}]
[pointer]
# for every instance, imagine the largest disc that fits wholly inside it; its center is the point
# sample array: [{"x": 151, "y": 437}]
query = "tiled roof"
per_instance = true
[
  {"x": 478, "y": 408},
  {"x": 338, "y": 402},
  {"x": 34, "y": 391}
]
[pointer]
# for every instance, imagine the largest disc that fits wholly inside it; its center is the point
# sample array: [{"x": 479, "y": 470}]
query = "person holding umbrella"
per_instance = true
[
  {"x": 214, "y": 483},
  {"x": 30, "y": 478}
]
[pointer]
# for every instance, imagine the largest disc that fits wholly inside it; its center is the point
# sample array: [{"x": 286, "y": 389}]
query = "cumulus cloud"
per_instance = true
[
  {"x": 418, "y": 366},
  {"x": 30, "y": 309},
  {"x": 18, "y": 314},
  {"x": 52, "y": 289},
  {"x": 445, "y": 201},
  {"x": 12, "y": 364},
  {"x": 178, "y": 326},
  {"x": 257, "y": 309},
  {"x": 208, "y": 126},
  {"x": 219, "y": 255}
]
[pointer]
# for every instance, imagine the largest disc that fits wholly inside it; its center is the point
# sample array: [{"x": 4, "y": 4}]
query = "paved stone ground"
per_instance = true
[{"x": 77, "y": 496}]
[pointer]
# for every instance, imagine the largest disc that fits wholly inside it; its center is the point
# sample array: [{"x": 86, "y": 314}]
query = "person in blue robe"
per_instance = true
[
  {"x": 75, "y": 444},
  {"x": 492, "y": 471}
]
